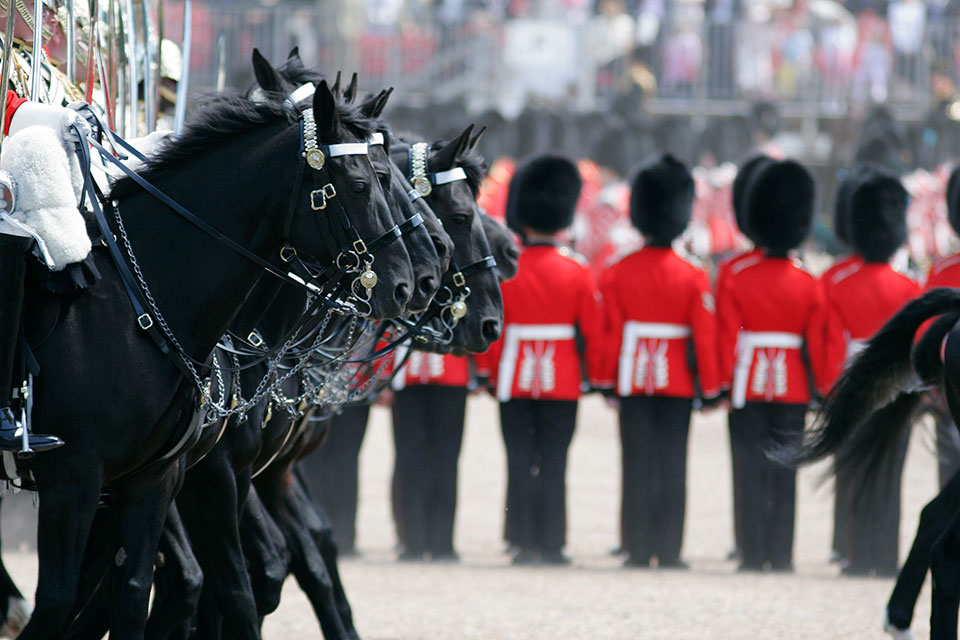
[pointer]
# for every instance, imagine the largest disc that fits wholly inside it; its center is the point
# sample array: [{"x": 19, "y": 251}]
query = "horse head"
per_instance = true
[
  {"x": 427, "y": 244},
  {"x": 448, "y": 175}
]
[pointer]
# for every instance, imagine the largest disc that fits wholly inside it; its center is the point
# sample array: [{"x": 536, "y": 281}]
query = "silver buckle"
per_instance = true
[
  {"x": 255, "y": 339},
  {"x": 145, "y": 321}
]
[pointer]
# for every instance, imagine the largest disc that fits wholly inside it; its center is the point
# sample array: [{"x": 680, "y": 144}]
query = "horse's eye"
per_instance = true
[
  {"x": 460, "y": 218},
  {"x": 359, "y": 186}
]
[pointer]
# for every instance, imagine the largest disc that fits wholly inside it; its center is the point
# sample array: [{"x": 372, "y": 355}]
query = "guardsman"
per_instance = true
[
  {"x": 429, "y": 406},
  {"x": 724, "y": 268},
  {"x": 859, "y": 301},
  {"x": 772, "y": 312},
  {"x": 946, "y": 273},
  {"x": 837, "y": 271},
  {"x": 550, "y": 307},
  {"x": 44, "y": 223},
  {"x": 332, "y": 473},
  {"x": 660, "y": 311}
]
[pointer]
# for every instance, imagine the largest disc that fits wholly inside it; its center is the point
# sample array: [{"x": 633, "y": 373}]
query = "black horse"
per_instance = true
[
  {"x": 862, "y": 421},
  {"x": 124, "y": 407}
]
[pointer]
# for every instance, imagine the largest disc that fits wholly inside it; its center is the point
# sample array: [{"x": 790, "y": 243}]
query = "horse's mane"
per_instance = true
[
  {"x": 473, "y": 164},
  {"x": 219, "y": 117},
  {"x": 224, "y": 116}
]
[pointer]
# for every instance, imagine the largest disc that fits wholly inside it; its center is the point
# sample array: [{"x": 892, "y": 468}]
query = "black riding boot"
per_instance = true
[{"x": 13, "y": 268}]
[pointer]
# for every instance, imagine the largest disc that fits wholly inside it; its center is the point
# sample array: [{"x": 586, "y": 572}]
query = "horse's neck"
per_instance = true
[
  {"x": 199, "y": 284},
  {"x": 284, "y": 311},
  {"x": 254, "y": 308}
]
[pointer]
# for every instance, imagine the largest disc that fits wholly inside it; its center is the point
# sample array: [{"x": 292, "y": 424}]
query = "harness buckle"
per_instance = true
[
  {"x": 255, "y": 339},
  {"x": 359, "y": 247},
  {"x": 459, "y": 279},
  {"x": 145, "y": 321},
  {"x": 325, "y": 193},
  {"x": 287, "y": 253}
]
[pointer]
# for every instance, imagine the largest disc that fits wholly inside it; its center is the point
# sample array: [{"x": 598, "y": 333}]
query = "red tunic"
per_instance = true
[
  {"x": 655, "y": 300},
  {"x": 552, "y": 299},
  {"x": 944, "y": 273},
  {"x": 13, "y": 101},
  {"x": 860, "y": 300},
  {"x": 726, "y": 266},
  {"x": 767, "y": 309},
  {"x": 431, "y": 368}
]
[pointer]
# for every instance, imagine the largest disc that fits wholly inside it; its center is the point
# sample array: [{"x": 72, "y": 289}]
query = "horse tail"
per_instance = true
[
  {"x": 874, "y": 444},
  {"x": 876, "y": 377}
]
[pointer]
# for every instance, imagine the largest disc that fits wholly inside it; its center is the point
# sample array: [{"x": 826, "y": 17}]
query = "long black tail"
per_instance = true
[{"x": 879, "y": 374}]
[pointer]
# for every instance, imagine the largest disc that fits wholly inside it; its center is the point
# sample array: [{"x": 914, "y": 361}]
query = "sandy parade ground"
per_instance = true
[{"x": 594, "y": 598}]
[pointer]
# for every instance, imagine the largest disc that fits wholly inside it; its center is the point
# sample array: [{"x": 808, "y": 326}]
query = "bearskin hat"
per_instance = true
[
  {"x": 739, "y": 191},
  {"x": 953, "y": 199},
  {"x": 780, "y": 199},
  {"x": 543, "y": 194},
  {"x": 661, "y": 199},
  {"x": 841, "y": 207},
  {"x": 878, "y": 215}
]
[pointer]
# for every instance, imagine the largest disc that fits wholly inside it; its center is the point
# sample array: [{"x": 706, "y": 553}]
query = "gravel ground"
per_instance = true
[{"x": 483, "y": 597}]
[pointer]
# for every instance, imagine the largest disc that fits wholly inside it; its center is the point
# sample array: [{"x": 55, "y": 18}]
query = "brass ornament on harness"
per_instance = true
[
  {"x": 311, "y": 152},
  {"x": 423, "y": 186},
  {"x": 458, "y": 309},
  {"x": 368, "y": 279},
  {"x": 418, "y": 168}
]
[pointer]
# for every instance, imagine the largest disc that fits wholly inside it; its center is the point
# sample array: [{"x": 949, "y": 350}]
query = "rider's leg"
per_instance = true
[{"x": 13, "y": 267}]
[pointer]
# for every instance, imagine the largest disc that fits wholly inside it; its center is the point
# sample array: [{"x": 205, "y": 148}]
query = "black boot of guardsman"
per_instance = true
[{"x": 12, "y": 272}]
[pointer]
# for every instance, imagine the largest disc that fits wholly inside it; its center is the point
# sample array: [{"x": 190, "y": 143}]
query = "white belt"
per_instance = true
[
  {"x": 747, "y": 343},
  {"x": 513, "y": 336},
  {"x": 634, "y": 331}
]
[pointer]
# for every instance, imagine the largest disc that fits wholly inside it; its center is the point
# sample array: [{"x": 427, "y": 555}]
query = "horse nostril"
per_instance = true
[
  {"x": 440, "y": 246},
  {"x": 490, "y": 329},
  {"x": 402, "y": 293},
  {"x": 428, "y": 285}
]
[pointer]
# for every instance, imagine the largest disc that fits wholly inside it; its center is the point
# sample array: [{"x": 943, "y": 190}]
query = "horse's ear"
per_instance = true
[
  {"x": 369, "y": 107},
  {"x": 448, "y": 156},
  {"x": 350, "y": 93},
  {"x": 294, "y": 59},
  {"x": 476, "y": 139},
  {"x": 335, "y": 89},
  {"x": 325, "y": 111},
  {"x": 463, "y": 142},
  {"x": 267, "y": 77},
  {"x": 382, "y": 103}
]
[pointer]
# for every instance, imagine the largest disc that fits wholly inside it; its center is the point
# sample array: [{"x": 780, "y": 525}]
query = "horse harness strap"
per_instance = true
[{"x": 424, "y": 181}]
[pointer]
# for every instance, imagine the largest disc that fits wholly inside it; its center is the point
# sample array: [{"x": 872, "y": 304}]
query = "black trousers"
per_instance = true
[
  {"x": 768, "y": 489},
  {"x": 537, "y": 435},
  {"x": 427, "y": 434},
  {"x": 332, "y": 472},
  {"x": 653, "y": 434}
]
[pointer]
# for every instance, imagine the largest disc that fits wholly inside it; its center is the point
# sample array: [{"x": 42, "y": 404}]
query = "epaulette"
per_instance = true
[
  {"x": 746, "y": 262},
  {"x": 846, "y": 272},
  {"x": 688, "y": 257},
  {"x": 943, "y": 264},
  {"x": 567, "y": 252}
]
